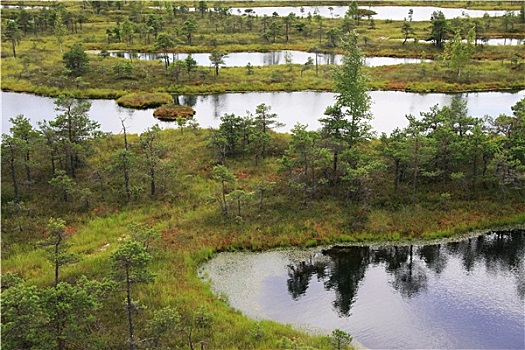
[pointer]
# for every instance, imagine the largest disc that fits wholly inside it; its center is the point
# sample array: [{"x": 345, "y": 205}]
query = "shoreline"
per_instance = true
[{"x": 298, "y": 252}]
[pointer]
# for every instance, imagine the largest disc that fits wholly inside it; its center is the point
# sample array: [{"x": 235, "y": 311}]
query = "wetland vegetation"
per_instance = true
[{"x": 102, "y": 233}]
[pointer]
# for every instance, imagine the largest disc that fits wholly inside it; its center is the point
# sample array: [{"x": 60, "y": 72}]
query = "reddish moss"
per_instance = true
[{"x": 173, "y": 112}]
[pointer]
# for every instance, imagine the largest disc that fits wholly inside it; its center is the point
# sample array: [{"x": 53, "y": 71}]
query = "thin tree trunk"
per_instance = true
[
  {"x": 152, "y": 181},
  {"x": 13, "y": 174},
  {"x": 57, "y": 260},
  {"x": 416, "y": 171},
  {"x": 130, "y": 311}
]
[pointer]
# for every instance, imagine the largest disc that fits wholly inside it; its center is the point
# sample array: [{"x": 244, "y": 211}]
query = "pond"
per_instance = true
[
  {"x": 396, "y": 13},
  {"x": 388, "y": 108},
  {"x": 468, "y": 294},
  {"x": 271, "y": 58}
]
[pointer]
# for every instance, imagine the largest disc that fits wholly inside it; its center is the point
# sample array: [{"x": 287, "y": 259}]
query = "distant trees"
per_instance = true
[
  {"x": 458, "y": 52},
  {"x": 239, "y": 135},
  {"x": 165, "y": 42},
  {"x": 188, "y": 28},
  {"x": 438, "y": 29},
  {"x": 13, "y": 34},
  {"x": 217, "y": 60}
]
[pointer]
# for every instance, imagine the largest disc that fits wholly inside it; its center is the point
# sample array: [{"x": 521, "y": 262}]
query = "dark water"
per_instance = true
[
  {"x": 463, "y": 295},
  {"x": 271, "y": 58},
  {"x": 388, "y": 108}
]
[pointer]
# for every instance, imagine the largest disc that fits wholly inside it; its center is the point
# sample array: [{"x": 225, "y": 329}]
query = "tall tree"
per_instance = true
[
  {"x": 13, "y": 34},
  {"x": 71, "y": 312},
  {"x": 164, "y": 43},
  {"x": 263, "y": 121},
  {"x": 438, "y": 29},
  {"x": 407, "y": 30},
  {"x": 217, "y": 60},
  {"x": 203, "y": 7},
  {"x": 350, "y": 85},
  {"x": 188, "y": 28},
  {"x": 60, "y": 30},
  {"x": 56, "y": 239},
  {"x": 190, "y": 64},
  {"x": 23, "y": 131},
  {"x": 304, "y": 152},
  {"x": 130, "y": 266},
  {"x": 73, "y": 129},
  {"x": 153, "y": 152},
  {"x": 458, "y": 52},
  {"x": 224, "y": 176},
  {"x": 347, "y": 121},
  {"x": 11, "y": 154},
  {"x": 288, "y": 22},
  {"x": 126, "y": 32}
]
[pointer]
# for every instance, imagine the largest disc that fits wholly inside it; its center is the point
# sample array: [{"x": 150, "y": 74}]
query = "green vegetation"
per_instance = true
[
  {"x": 144, "y": 100},
  {"x": 90, "y": 219},
  {"x": 446, "y": 174},
  {"x": 40, "y": 67}
]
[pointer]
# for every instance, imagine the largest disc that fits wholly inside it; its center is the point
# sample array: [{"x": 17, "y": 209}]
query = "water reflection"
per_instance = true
[
  {"x": 396, "y": 13},
  {"x": 271, "y": 58},
  {"x": 347, "y": 269},
  {"x": 467, "y": 294},
  {"x": 389, "y": 108},
  {"x": 452, "y": 295},
  {"x": 408, "y": 266}
]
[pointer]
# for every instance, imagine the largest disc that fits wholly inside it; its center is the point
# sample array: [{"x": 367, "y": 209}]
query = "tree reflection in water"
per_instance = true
[
  {"x": 501, "y": 252},
  {"x": 300, "y": 273}
]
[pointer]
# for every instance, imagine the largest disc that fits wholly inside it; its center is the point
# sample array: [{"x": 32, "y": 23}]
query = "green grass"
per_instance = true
[{"x": 185, "y": 211}]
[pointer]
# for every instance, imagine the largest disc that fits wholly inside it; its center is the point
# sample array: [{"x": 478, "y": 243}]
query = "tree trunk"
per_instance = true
[
  {"x": 130, "y": 311},
  {"x": 13, "y": 43},
  {"x": 335, "y": 160},
  {"x": 152, "y": 181},
  {"x": 416, "y": 171},
  {"x": 57, "y": 244},
  {"x": 13, "y": 174},
  {"x": 396, "y": 176}
]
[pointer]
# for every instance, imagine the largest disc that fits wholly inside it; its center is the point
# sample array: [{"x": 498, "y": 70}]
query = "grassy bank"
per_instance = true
[
  {"x": 39, "y": 67},
  {"x": 187, "y": 213},
  {"x": 102, "y": 82},
  {"x": 168, "y": 180}
]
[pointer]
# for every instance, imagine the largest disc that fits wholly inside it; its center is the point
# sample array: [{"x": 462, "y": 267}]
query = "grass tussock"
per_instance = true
[
  {"x": 144, "y": 100},
  {"x": 173, "y": 112}
]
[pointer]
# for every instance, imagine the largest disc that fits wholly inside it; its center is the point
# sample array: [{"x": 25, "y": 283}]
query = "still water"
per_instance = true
[
  {"x": 388, "y": 108},
  {"x": 271, "y": 58},
  {"x": 395, "y": 13},
  {"x": 462, "y": 295}
]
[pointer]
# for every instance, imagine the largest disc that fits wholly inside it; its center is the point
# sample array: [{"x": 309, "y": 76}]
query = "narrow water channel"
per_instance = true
[
  {"x": 271, "y": 58},
  {"x": 395, "y": 13},
  {"x": 463, "y": 295}
]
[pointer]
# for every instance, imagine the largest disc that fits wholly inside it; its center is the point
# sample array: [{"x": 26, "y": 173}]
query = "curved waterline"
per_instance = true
[{"x": 438, "y": 276}]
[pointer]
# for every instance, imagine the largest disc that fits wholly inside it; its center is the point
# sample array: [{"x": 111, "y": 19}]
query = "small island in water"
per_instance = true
[{"x": 316, "y": 165}]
